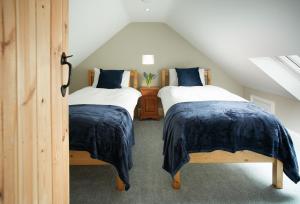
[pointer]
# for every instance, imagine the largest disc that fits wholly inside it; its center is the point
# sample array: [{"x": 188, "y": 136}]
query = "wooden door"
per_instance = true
[{"x": 34, "y": 155}]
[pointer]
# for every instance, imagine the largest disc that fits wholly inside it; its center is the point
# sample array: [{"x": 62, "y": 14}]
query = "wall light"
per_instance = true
[{"x": 148, "y": 59}]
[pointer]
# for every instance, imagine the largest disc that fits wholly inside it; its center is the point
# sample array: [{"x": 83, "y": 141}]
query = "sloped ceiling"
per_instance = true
[
  {"x": 92, "y": 23},
  {"x": 229, "y": 32},
  {"x": 232, "y": 31},
  {"x": 158, "y": 10}
]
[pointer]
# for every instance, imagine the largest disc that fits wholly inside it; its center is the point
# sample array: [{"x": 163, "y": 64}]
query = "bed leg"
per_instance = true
[
  {"x": 176, "y": 181},
  {"x": 120, "y": 184},
  {"x": 277, "y": 174}
]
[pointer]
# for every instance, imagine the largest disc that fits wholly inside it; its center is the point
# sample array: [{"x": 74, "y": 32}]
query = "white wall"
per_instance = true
[
  {"x": 92, "y": 23},
  {"x": 228, "y": 32},
  {"x": 126, "y": 48},
  {"x": 232, "y": 31},
  {"x": 286, "y": 109}
]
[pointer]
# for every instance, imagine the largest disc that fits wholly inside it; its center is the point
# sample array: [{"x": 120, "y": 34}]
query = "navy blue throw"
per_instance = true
[
  {"x": 110, "y": 79},
  {"x": 188, "y": 77},
  {"x": 106, "y": 132},
  {"x": 192, "y": 127}
]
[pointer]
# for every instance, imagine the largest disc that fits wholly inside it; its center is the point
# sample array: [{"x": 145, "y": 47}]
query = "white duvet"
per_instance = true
[
  {"x": 171, "y": 95},
  {"x": 124, "y": 97}
]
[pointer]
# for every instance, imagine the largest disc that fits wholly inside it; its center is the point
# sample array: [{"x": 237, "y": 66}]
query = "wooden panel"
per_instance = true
[
  {"x": 83, "y": 158},
  {"x": 149, "y": 103},
  {"x": 9, "y": 108},
  {"x": 277, "y": 177},
  {"x": 1, "y": 131},
  {"x": 246, "y": 156},
  {"x": 164, "y": 77},
  {"x": 91, "y": 75},
  {"x": 26, "y": 97},
  {"x": 59, "y": 129},
  {"x": 119, "y": 184},
  {"x": 132, "y": 83},
  {"x": 1, "y": 104},
  {"x": 151, "y": 91},
  {"x": 43, "y": 102},
  {"x": 27, "y": 101},
  {"x": 65, "y": 108},
  {"x": 176, "y": 183},
  {"x": 220, "y": 156},
  {"x": 134, "y": 79},
  {"x": 207, "y": 75}
]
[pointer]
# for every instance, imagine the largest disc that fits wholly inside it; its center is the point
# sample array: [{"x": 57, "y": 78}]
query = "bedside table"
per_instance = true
[{"x": 149, "y": 103}]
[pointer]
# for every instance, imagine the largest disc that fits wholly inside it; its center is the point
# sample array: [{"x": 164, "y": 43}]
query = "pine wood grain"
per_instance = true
[
  {"x": 222, "y": 157},
  {"x": 277, "y": 174},
  {"x": 60, "y": 150},
  {"x": 9, "y": 105},
  {"x": 43, "y": 102},
  {"x": 31, "y": 76},
  {"x": 27, "y": 101},
  {"x": 83, "y": 158},
  {"x": 65, "y": 105}
]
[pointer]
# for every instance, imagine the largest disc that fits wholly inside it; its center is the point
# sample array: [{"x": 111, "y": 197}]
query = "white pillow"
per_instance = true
[
  {"x": 124, "y": 83},
  {"x": 125, "y": 79},
  {"x": 173, "y": 80},
  {"x": 202, "y": 76},
  {"x": 96, "y": 77}
]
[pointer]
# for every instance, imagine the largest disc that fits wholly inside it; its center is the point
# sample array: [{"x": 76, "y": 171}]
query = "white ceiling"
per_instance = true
[
  {"x": 229, "y": 32},
  {"x": 158, "y": 10}
]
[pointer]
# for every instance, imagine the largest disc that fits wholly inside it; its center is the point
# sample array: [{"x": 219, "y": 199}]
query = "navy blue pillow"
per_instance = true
[
  {"x": 188, "y": 77},
  {"x": 110, "y": 79}
]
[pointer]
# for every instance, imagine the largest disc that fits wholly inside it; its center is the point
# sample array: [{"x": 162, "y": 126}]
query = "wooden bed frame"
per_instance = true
[
  {"x": 83, "y": 157},
  {"x": 221, "y": 156}
]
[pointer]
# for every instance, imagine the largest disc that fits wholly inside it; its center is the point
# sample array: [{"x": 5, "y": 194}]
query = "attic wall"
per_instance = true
[
  {"x": 126, "y": 48},
  {"x": 286, "y": 109},
  {"x": 92, "y": 23},
  {"x": 232, "y": 31}
]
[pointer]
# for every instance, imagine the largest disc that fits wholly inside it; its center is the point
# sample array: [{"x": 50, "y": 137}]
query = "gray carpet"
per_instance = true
[{"x": 210, "y": 183}]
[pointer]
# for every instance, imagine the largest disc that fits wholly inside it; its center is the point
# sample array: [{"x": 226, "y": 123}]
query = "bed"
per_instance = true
[
  {"x": 190, "y": 124},
  {"x": 101, "y": 129}
]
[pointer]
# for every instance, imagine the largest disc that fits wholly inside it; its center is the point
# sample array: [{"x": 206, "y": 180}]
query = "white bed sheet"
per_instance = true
[
  {"x": 126, "y": 97},
  {"x": 171, "y": 95}
]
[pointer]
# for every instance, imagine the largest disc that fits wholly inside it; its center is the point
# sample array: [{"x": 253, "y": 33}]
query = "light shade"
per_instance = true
[{"x": 148, "y": 59}]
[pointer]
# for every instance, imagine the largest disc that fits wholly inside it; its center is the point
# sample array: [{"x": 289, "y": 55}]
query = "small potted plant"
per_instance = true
[{"x": 149, "y": 77}]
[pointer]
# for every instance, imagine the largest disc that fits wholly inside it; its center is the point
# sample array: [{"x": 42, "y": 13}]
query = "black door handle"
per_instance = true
[{"x": 64, "y": 61}]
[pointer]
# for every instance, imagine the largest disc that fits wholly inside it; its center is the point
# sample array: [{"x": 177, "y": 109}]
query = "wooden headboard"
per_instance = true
[
  {"x": 132, "y": 83},
  {"x": 165, "y": 77}
]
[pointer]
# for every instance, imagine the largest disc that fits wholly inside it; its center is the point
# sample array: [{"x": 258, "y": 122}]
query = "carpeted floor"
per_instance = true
[{"x": 210, "y": 183}]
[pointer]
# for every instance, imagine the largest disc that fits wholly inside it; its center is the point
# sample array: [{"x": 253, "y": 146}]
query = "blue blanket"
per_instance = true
[
  {"x": 206, "y": 126},
  {"x": 106, "y": 132}
]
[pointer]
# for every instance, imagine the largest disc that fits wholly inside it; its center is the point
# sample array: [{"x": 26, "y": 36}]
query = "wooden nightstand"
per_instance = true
[{"x": 149, "y": 103}]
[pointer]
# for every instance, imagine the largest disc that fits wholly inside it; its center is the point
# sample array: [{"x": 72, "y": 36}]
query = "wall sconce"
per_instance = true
[{"x": 148, "y": 59}]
